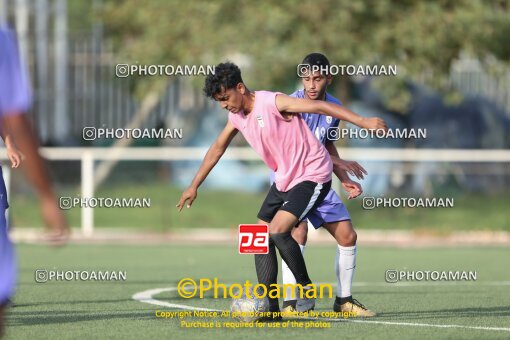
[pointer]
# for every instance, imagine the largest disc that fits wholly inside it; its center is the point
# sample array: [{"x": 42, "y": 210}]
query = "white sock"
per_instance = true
[
  {"x": 345, "y": 266},
  {"x": 288, "y": 278}
]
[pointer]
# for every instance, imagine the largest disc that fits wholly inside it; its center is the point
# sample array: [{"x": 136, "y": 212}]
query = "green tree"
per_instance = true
[{"x": 418, "y": 36}]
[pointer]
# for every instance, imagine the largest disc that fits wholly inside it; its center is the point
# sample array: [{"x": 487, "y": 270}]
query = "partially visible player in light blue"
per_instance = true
[
  {"x": 331, "y": 213},
  {"x": 15, "y": 130},
  {"x": 14, "y": 97}
]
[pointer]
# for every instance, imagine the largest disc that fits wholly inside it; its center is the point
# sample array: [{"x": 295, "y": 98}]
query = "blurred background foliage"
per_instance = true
[{"x": 268, "y": 38}]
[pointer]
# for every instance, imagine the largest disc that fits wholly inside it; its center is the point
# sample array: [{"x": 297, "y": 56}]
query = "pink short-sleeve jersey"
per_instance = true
[{"x": 287, "y": 146}]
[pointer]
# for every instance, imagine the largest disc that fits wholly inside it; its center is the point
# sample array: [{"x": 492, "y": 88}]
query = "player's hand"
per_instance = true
[
  {"x": 15, "y": 156},
  {"x": 58, "y": 229},
  {"x": 351, "y": 167},
  {"x": 353, "y": 188},
  {"x": 374, "y": 123},
  {"x": 188, "y": 195}
]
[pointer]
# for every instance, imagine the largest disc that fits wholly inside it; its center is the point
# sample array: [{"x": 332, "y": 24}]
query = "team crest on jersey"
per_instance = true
[
  {"x": 329, "y": 119},
  {"x": 261, "y": 122}
]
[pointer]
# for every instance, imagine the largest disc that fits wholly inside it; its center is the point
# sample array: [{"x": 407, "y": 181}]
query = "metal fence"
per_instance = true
[
  {"x": 73, "y": 76},
  {"x": 490, "y": 79},
  {"x": 87, "y": 156}
]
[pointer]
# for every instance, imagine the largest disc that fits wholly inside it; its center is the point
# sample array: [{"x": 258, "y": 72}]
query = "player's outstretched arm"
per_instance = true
[
  {"x": 353, "y": 188},
  {"x": 350, "y": 167},
  {"x": 353, "y": 168},
  {"x": 289, "y": 104},
  {"x": 212, "y": 157}
]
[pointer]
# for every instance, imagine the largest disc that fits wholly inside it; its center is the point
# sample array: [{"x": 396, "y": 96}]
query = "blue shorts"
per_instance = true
[
  {"x": 330, "y": 210},
  {"x": 7, "y": 261}
]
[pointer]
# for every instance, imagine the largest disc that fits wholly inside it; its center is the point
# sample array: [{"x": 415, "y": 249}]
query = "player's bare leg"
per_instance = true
[{"x": 345, "y": 265}]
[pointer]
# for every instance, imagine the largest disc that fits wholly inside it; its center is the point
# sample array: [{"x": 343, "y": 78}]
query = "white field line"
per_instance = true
[{"x": 147, "y": 297}]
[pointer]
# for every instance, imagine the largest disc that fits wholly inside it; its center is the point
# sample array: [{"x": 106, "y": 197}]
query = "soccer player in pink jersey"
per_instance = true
[{"x": 271, "y": 123}]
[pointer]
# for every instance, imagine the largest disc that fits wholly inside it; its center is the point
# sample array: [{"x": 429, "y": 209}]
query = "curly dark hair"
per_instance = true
[{"x": 226, "y": 76}]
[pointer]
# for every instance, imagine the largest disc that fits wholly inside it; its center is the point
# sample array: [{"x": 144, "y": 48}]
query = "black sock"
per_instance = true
[
  {"x": 291, "y": 254},
  {"x": 287, "y": 303},
  {"x": 266, "y": 266},
  {"x": 343, "y": 300}
]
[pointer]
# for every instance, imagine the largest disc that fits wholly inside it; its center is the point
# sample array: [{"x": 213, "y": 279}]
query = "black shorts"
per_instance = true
[{"x": 299, "y": 201}]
